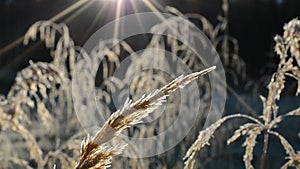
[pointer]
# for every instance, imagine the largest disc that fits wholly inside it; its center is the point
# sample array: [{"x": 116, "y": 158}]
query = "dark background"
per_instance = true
[{"x": 253, "y": 22}]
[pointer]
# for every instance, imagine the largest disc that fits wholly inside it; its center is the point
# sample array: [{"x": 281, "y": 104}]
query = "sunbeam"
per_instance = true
[
  {"x": 135, "y": 9},
  {"x": 83, "y": 5},
  {"x": 154, "y": 9},
  {"x": 96, "y": 19},
  {"x": 58, "y": 16},
  {"x": 118, "y": 14},
  {"x": 158, "y": 5},
  {"x": 79, "y": 11}
]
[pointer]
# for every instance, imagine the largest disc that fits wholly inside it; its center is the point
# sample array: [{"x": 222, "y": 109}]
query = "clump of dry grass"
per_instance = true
[
  {"x": 287, "y": 44},
  {"x": 57, "y": 39},
  {"x": 42, "y": 88},
  {"x": 94, "y": 152},
  {"x": 41, "y": 82},
  {"x": 226, "y": 45},
  {"x": 29, "y": 91}
]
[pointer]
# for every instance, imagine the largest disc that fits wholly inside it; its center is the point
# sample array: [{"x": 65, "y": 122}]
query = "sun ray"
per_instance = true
[
  {"x": 135, "y": 9},
  {"x": 150, "y": 6},
  {"x": 21, "y": 57},
  {"x": 158, "y": 5},
  {"x": 79, "y": 11},
  {"x": 58, "y": 16},
  {"x": 123, "y": 12},
  {"x": 97, "y": 18},
  {"x": 68, "y": 10},
  {"x": 118, "y": 14},
  {"x": 159, "y": 14},
  {"x": 154, "y": 9}
]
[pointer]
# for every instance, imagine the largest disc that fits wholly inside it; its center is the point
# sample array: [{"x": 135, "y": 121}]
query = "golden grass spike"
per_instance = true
[
  {"x": 132, "y": 113},
  {"x": 205, "y": 136},
  {"x": 293, "y": 162},
  {"x": 250, "y": 143},
  {"x": 286, "y": 145},
  {"x": 243, "y": 130},
  {"x": 34, "y": 150},
  {"x": 97, "y": 156},
  {"x": 94, "y": 152}
]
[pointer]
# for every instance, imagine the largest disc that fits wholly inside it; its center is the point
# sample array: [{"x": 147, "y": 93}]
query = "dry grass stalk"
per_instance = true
[
  {"x": 37, "y": 78},
  {"x": 294, "y": 159},
  {"x": 250, "y": 143},
  {"x": 37, "y": 85},
  {"x": 30, "y": 91},
  {"x": 19, "y": 162},
  {"x": 7, "y": 121},
  {"x": 62, "y": 50},
  {"x": 289, "y": 43},
  {"x": 95, "y": 154},
  {"x": 206, "y": 135}
]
